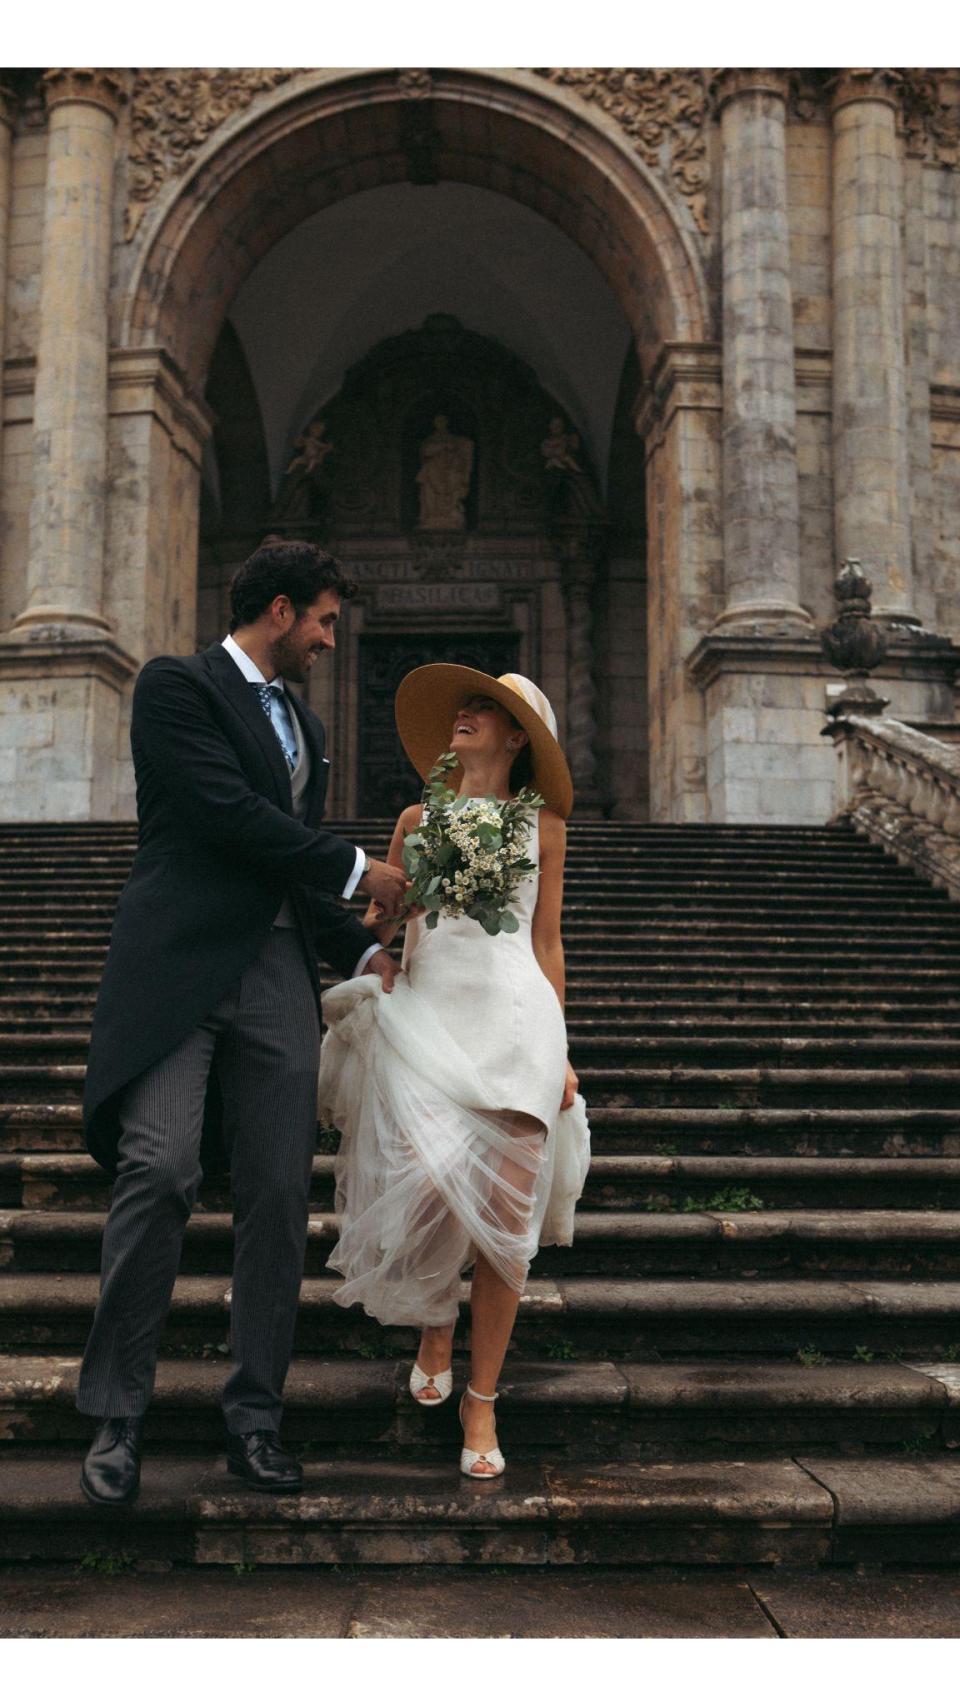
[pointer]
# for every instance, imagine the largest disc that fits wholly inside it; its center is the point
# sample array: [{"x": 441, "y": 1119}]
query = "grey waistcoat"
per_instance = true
[{"x": 299, "y": 783}]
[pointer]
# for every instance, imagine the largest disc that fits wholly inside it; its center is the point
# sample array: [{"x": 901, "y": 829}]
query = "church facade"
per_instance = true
[{"x": 598, "y": 374}]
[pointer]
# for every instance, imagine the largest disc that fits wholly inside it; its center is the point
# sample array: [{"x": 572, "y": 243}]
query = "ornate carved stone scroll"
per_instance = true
[
  {"x": 664, "y": 113},
  {"x": 173, "y": 111},
  {"x": 931, "y": 116}
]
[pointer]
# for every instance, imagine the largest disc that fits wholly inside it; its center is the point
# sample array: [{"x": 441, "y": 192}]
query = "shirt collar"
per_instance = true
[{"x": 245, "y": 664}]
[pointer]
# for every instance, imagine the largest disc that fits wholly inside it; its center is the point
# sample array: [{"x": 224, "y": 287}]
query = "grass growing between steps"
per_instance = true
[
  {"x": 107, "y": 1563},
  {"x": 730, "y": 1199}
]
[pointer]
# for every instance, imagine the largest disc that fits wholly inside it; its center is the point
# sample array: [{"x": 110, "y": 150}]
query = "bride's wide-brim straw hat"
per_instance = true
[{"x": 429, "y": 698}]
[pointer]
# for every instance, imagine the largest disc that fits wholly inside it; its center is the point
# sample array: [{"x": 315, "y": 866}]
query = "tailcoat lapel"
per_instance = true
[{"x": 244, "y": 701}]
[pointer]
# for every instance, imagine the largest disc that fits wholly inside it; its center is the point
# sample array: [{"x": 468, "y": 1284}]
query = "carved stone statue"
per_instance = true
[
  {"x": 571, "y": 491},
  {"x": 313, "y": 450},
  {"x": 559, "y": 448},
  {"x": 302, "y": 488},
  {"x": 446, "y": 463}
]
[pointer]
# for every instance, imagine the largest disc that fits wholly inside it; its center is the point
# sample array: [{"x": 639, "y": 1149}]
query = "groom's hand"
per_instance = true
[
  {"x": 385, "y": 883},
  {"x": 385, "y": 967}
]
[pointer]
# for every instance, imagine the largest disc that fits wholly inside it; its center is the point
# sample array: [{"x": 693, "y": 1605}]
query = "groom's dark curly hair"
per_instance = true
[{"x": 296, "y": 567}]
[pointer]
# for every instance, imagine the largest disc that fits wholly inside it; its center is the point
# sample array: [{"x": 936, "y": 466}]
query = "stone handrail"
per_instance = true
[{"x": 902, "y": 789}]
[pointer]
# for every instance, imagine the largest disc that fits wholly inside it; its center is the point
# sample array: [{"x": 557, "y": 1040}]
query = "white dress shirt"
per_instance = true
[{"x": 251, "y": 672}]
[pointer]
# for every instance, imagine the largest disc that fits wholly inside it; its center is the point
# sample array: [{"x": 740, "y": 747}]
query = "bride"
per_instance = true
[{"x": 464, "y": 1140}]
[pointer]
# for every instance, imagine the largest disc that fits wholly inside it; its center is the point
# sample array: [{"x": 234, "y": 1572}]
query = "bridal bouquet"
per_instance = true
[{"x": 469, "y": 855}]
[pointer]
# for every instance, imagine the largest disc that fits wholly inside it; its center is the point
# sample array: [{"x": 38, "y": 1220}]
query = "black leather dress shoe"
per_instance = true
[
  {"x": 111, "y": 1468},
  {"x": 261, "y": 1460}
]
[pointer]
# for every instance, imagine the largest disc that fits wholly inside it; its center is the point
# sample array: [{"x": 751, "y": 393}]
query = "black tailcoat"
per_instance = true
[{"x": 218, "y": 849}]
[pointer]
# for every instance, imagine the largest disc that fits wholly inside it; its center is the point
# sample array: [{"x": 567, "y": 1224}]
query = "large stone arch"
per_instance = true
[
  {"x": 325, "y": 136},
  {"x": 338, "y": 133}
]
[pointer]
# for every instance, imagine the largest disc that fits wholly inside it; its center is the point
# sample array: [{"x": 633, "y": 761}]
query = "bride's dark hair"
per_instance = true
[{"x": 521, "y": 770}]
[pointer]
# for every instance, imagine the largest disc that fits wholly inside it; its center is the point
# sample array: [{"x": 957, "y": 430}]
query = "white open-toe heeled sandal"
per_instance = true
[
  {"x": 442, "y": 1381},
  {"x": 469, "y": 1459}
]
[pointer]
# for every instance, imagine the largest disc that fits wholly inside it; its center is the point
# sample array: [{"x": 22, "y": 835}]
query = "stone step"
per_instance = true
[
  {"x": 664, "y": 872},
  {"x": 640, "y": 1182},
  {"x": 581, "y": 828},
  {"x": 619, "y": 1041},
  {"x": 634, "y": 1086},
  {"x": 82, "y": 926},
  {"x": 913, "y": 984},
  {"x": 641, "y": 941},
  {"x": 737, "y": 889},
  {"x": 907, "y": 1131},
  {"x": 632, "y": 915},
  {"x": 814, "y": 1510},
  {"x": 588, "y": 999},
  {"x": 41, "y": 1085},
  {"x": 785, "y": 1016},
  {"x": 825, "y": 1130},
  {"x": 678, "y": 840},
  {"x": 920, "y": 1016},
  {"x": 583, "y": 1409},
  {"x": 595, "y": 1023},
  {"x": 921, "y": 1243},
  {"x": 564, "y": 1318}
]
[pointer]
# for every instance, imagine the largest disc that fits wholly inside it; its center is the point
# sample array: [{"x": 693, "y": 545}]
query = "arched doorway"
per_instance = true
[
  {"x": 506, "y": 134},
  {"x": 311, "y": 442}
]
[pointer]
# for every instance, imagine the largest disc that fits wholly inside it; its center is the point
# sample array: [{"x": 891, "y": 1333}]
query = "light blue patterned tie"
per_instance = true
[{"x": 275, "y": 706}]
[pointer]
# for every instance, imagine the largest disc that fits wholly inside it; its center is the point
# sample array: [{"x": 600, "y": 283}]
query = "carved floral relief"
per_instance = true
[
  {"x": 663, "y": 111},
  {"x": 172, "y": 113}
]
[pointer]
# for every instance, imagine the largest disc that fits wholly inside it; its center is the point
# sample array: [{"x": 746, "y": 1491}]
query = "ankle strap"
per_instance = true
[{"x": 485, "y": 1398}]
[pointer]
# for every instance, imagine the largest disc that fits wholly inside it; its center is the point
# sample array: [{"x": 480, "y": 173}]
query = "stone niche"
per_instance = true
[{"x": 473, "y": 569}]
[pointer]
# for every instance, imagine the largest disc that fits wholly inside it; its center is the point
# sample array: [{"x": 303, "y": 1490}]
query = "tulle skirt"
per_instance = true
[{"x": 429, "y": 1171}]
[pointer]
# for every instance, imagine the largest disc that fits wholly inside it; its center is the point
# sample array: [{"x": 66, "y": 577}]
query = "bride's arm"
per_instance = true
[
  {"x": 547, "y": 943},
  {"x": 373, "y": 918}
]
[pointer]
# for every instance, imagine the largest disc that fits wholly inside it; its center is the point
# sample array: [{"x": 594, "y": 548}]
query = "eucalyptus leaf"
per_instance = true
[{"x": 509, "y": 923}]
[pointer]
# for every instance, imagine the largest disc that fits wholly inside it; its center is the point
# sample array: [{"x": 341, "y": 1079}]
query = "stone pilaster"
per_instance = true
[
  {"x": 761, "y": 511},
  {"x": 679, "y": 417},
  {"x": 870, "y": 444},
  {"x": 67, "y": 515}
]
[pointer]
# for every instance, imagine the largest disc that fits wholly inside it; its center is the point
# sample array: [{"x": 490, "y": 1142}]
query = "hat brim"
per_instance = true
[{"x": 429, "y": 698}]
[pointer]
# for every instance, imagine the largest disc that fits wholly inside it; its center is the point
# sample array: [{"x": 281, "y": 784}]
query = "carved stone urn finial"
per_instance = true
[{"x": 854, "y": 643}]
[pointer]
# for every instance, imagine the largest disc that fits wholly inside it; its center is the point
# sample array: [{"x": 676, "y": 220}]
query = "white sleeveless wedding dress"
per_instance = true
[{"x": 447, "y": 1095}]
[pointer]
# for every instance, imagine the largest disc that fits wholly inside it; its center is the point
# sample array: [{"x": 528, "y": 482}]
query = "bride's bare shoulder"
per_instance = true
[{"x": 410, "y": 817}]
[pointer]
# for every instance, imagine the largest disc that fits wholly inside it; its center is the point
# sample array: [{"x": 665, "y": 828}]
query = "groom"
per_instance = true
[{"x": 207, "y": 1024}]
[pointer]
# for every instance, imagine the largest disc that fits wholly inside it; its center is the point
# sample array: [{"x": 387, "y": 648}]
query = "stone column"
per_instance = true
[
  {"x": 62, "y": 673},
  {"x": 579, "y": 555},
  {"x": 761, "y": 512},
  {"x": 8, "y": 109},
  {"x": 65, "y": 570},
  {"x": 870, "y": 446}
]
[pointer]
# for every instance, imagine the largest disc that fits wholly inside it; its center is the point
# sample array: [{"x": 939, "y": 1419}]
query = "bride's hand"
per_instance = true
[{"x": 570, "y": 1088}]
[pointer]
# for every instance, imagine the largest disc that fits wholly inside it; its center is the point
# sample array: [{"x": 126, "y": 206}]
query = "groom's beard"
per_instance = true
[{"x": 290, "y": 656}]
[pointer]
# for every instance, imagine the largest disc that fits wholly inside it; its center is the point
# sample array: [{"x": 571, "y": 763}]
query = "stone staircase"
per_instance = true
[{"x": 750, "y": 1354}]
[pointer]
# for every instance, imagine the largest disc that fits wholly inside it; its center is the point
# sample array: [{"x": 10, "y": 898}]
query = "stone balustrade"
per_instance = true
[{"x": 902, "y": 789}]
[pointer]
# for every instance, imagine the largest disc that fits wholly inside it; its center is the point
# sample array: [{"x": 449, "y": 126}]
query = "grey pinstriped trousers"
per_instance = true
[{"x": 263, "y": 1041}]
